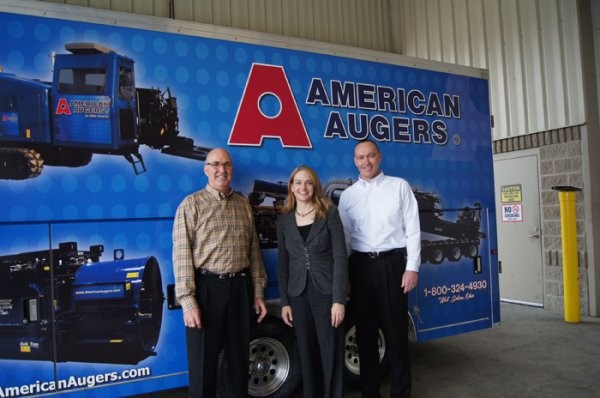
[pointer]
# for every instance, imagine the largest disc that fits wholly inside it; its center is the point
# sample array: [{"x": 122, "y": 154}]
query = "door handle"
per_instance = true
[{"x": 535, "y": 233}]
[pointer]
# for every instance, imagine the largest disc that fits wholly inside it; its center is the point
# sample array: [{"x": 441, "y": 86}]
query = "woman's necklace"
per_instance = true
[{"x": 305, "y": 214}]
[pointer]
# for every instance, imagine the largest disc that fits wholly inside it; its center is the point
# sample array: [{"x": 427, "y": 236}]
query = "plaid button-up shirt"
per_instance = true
[{"x": 215, "y": 232}]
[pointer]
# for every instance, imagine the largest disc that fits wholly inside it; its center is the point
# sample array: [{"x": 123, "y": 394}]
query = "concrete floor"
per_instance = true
[{"x": 532, "y": 353}]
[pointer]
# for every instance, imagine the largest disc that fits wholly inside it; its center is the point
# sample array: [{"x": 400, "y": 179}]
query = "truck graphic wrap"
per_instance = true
[{"x": 82, "y": 90}]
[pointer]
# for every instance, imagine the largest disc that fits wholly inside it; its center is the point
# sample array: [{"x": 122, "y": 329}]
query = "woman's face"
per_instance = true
[{"x": 303, "y": 187}]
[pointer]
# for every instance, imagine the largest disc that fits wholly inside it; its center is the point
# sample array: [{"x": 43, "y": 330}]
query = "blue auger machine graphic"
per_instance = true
[
  {"x": 442, "y": 238},
  {"x": 91, "y": 107},
  {"x": 66, "y": 305}
]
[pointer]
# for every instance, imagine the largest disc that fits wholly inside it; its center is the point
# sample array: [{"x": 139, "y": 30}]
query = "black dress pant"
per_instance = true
[
  {"x": 379, "y": 302},
  {"x": 320, "y": 345},
  {"x": 225, "y": 313}
]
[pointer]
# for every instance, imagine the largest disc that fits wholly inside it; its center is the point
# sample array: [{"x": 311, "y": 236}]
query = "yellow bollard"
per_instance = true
[{"x": 566, "y": 196}]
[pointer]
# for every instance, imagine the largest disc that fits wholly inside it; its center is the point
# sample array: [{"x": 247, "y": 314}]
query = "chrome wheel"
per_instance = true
[
  {"x": 351, "y": 357},
  {"x": 269, "y": 366}
]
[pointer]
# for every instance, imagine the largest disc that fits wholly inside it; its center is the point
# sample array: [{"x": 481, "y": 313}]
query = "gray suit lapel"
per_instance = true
[
  {"x": 316, "y": 228},
  {"x": 292, "y": 228}
]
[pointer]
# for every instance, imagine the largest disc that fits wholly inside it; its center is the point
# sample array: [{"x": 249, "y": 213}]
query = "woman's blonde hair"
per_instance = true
[{"x": 319, "y": 200}]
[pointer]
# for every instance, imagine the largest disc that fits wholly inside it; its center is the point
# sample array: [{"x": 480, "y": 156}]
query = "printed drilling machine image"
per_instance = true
[
  {"x": 91, "y": 107},
  {"x": 266, "y": 216},
  {"x": 66, "y": 305},
  {"x": 444, "y": 238},
  {"x": 441, "y": 238}
]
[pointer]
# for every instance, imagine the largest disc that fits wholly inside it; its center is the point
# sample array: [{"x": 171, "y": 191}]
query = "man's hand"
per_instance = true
[
  {"x": 286, "y": 315},
  {"x": 191, "y": 318},
  {"x": 409, "y": 280},
  {"x": 337, "y": 314},
  {"x": 260, "y": 308}
]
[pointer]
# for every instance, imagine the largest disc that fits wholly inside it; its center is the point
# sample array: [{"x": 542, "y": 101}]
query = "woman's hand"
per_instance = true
[{"x": 286, "y": 315}]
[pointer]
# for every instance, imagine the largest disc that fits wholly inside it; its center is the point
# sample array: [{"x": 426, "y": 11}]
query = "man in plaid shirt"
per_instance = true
[{"x": 219, "y": 275}]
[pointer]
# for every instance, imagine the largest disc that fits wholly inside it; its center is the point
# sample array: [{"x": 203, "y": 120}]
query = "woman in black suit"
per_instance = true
[{"x": 313, "y": 280}]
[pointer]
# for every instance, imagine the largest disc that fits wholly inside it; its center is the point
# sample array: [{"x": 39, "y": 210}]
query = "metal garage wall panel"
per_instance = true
[
  {"x": 409, "y": 25},
  {"x": 291, "y": 18},
  {"x": 396, "y": 43},
  {"x": 104, "y": 4},
  {"x": 420, "y": 30},
  {"x": 73, "y": 2},
  {"x": 321, "y": 18},
  {"x": 156, "y": 8},
  {"x": 240, "y": 14},
  {"x": 449, "y": 32},
  {"x": 306, "y": 21},
  {"x": 222, "y": 11},
  {"x": 477, "y": 48},
  {"x": 553, "y": 63},
  {"x": 123, "y": 6},
  {"x": 434, "y": 35},
  {"x": 379, "y": 32},
  {"x": 533, "y": 72},
  {"x": 514, "y": 88},
  {"x": 595, "y": 17},
  {"x": 460, "y": 13},
  {"x": 530, "y": 47},
  {"x": 371, "y": 24},
  {"x": 349, "y": 15},
  {"x": 496, "y": 67},
  {"x": 370, "y": 34},
  {"x": 184, "y": 10},
  {"x": 572, "y": 56},
  {"x": 336, "y": 28},
  {"x": 274, "y": 16},
  {"x": 256, "y": 16}
]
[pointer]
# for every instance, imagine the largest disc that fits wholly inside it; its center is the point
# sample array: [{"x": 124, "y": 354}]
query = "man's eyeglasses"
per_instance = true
[
  {"x": 217, "y": 165},
  {"x": 370, "y": 156}
]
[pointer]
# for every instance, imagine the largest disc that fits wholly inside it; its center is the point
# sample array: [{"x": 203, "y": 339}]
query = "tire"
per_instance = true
[
  {"x": 352, "y": 359},
  {"x": 274, "y": 364},
  {"x": 454, "y": 253},
  {"x": 412, "y": 330},
  {"x": 437, "y": 256},
  {"x": 471, "y": 250}
]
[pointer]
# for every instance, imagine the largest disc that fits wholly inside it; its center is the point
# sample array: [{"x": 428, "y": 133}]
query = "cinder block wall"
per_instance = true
[{"x": 560, "y": 164}]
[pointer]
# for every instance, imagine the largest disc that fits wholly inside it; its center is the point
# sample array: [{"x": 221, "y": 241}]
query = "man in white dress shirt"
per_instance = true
[{"x": 381, "y": 223}]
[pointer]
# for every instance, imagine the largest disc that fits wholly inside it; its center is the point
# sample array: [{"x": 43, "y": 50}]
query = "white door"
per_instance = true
[{"x": 519, "y": 234}]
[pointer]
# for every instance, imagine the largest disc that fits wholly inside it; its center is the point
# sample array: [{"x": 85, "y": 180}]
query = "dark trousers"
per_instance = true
[
  {"x": 225, "y": 312},
  {"x": 379, "y": 302},
  {"x": 320, "y": 345}
]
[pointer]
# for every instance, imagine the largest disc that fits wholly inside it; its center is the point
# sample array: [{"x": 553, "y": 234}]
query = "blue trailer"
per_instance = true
[{"x": 77, "y": 84}]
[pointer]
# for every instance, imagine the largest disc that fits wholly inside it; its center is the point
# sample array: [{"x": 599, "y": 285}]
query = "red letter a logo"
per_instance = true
[
  {"x": 251, "y": 124},
  {"x": 62, "y": 108}
]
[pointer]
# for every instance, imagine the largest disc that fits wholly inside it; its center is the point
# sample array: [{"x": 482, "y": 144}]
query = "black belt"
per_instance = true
[
  {"x": 225, "y": 275},
  {"x": 384, "y": 253}
]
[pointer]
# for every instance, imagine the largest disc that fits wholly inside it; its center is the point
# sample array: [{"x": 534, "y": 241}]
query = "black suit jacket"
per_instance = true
[{"x": 323, "y": 257}]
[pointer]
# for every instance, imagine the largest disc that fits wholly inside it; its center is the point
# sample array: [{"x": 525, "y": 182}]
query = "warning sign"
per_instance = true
[
  {"x": 512, "y": 212},
  {"x": 511, "y": 193}
]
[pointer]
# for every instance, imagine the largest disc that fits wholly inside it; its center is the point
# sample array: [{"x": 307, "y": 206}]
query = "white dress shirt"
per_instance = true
[{"x": 382, "y": 214}]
